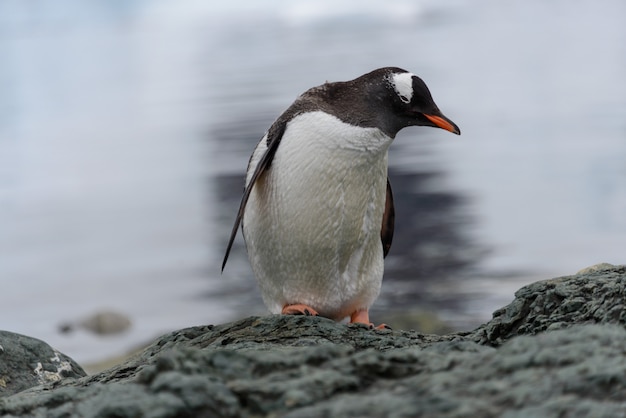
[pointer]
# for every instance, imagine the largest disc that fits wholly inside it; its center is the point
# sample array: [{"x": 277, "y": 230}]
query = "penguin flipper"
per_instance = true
[
  {"x": 389, "y": 216},
  {"x": 274, "y": 136}
]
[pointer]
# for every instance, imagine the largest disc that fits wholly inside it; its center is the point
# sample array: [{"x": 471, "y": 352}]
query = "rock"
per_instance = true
[
  {"x": 27, "y": 362},
  {"x": 580, "y": 371},
  {"x": 101, "y": 323},
  {"x": 569, "y": 361},
  {"x": 596, "y": 295}
]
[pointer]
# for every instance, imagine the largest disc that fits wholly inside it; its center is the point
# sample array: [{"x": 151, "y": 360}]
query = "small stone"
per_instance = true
[
  {"x": 597, "y": 267},
  {"x": 101, "y": 323}
]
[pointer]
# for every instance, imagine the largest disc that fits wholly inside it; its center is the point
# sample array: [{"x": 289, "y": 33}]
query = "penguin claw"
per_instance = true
[
  {"x": 373, "y": 327},
  {"x": 362, "y": 317},
  {"x": 299, "y": 309}
]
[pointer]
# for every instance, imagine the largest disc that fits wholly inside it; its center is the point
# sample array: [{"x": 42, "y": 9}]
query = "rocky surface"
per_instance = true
[
  {"x": 26, "y": 362},
  {"x": 595, "y": 295},
  {"x": 558, "y": 350}
]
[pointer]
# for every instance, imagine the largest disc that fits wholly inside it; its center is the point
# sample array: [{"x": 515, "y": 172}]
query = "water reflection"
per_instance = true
[{"x": 432, "y": 239}]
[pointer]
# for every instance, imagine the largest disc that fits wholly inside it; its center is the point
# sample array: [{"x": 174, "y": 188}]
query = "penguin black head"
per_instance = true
[{"x": 401, "y": 99}]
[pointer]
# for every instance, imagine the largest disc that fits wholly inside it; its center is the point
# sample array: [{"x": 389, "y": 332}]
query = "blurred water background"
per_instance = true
[{"x": 125, "y": 129}]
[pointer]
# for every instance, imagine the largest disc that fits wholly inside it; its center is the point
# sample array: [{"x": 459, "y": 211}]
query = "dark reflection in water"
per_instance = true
[
  {"x": 431, "y": 238},
  {"x": 432, "y": 242}
]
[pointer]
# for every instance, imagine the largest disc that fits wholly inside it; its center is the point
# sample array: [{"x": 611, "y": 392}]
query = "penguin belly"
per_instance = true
[{"x": 312, "y": 223}]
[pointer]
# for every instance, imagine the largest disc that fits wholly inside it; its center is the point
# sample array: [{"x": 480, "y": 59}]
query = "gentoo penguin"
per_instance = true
[{"x": 317, "y": 209}]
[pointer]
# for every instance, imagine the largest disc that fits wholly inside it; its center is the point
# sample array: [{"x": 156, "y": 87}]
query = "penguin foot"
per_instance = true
[
  {"x": 299, "y": 309},
  {"x": 363, "y": 317}
]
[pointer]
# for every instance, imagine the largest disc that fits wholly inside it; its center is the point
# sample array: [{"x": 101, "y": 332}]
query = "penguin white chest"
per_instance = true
[{"x": 312, "y": 223}]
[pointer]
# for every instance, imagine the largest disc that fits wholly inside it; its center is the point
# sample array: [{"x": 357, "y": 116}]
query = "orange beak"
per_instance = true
[{"x": 444, "y": 123}]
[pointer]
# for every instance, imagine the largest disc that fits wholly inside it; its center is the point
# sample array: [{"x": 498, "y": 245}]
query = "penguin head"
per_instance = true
[{"x": 403, "y": 100}]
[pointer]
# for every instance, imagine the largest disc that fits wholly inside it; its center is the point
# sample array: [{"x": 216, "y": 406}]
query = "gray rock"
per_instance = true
[
  {"x": 101, "y": 323},
  {"x": 27, "y": 362},
  {"x": 595, "y": 295},
  {"x": 571, "y": 362},
  {"x": 580, "y": 371}
]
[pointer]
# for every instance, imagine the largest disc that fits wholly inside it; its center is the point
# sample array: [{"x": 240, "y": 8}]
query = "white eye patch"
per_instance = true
[{"x": 403, "y": 85}]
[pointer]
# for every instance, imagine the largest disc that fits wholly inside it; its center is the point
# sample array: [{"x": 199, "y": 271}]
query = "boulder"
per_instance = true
[
  {"x": 26, "y": 362},
  {"x": 595, "y": 295},
  {"x": 556, "y": 350}
]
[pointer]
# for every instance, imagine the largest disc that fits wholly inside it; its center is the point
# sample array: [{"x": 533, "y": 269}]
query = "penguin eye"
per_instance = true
[{"x": 404, "y": 99}]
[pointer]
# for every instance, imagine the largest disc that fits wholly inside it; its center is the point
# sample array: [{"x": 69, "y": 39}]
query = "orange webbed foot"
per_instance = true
[
  {"x": 299, "y": 309},
  {"x": 363, "y": 317}
]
